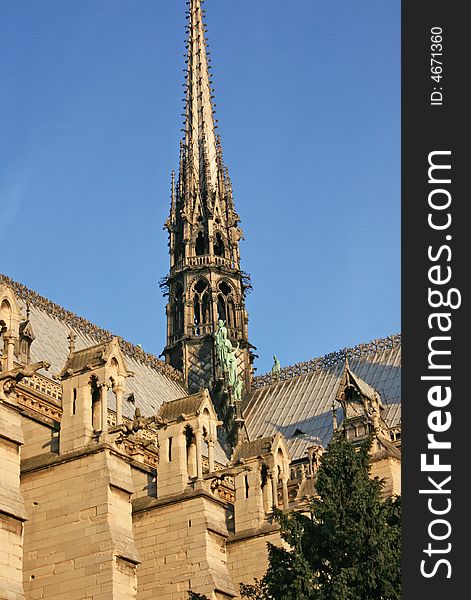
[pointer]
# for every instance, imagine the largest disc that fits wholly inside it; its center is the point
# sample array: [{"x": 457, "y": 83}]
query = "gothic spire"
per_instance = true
[
  {"x": 205, "y": 283},
  {"x": 200, "y": 140}
]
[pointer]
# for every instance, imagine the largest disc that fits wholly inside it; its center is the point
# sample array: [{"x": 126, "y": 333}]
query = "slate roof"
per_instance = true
[
  {"x": 87, "y": 357},
  {"x": 150, "y": 387},
  {"x": 256, "y": 447},
  {"x": 300, "y": 407},
  {"x": 153, "y": 383},
  {"x": 189, "y": 405}
]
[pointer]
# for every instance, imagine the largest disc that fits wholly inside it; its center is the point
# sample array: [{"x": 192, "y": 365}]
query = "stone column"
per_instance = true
[
  {"x": 118, "y": 391},
  {"x": 285, "y": 494},
  {"x": 303, "y": 472},
  {"x": 12, "y": 513},
  {"x": 274, "y": 491},
  {"x": 10, "y": 338},
  {"x": 199, "y": 454},
  {"x": 104, "y": 408},
  {"x": 268, "y": 494},
  {"x": 211, "y": 453}
]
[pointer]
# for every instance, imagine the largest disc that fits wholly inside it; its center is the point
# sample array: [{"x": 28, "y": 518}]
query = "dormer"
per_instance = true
[
  {"x": 190, "y": 423},
  {"x": 87, "y": 377},
  {"x": 361, "y": 405}
]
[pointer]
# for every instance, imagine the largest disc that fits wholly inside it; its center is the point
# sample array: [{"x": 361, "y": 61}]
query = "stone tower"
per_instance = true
[{"x": 205, "y": 283}]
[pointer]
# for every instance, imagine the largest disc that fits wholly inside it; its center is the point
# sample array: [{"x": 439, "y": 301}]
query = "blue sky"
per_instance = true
[{"x": 308, "y": 102}]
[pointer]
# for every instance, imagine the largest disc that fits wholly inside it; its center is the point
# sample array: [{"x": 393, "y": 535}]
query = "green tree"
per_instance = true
[
  {"x": 196, "y": 596},
  {"x": 347, "y": 548}
]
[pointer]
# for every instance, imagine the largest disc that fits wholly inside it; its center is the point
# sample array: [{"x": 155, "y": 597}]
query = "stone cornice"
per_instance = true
[
  {"x": 267, "y": 529},
  {"x": 145, "y": 504},
  {"x": 50, "y": 459},
  {"x": 39, "y": 404}
]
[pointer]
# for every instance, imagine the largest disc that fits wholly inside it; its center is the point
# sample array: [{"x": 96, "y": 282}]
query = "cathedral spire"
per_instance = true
[
  {"x": 205, "y": 285},
  {"x": 200, "y": 139}
]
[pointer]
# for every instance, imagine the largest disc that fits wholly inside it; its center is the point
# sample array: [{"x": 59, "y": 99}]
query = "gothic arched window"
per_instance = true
[
  {"x": 190, "y": 450},
  {"x": 219, "y": 249},
  {"x": 177, "y": 311},
  {"x": 201, "y": 303},
  {"x": 200, "y": 245},
  {"x": 226, "y": 306}
]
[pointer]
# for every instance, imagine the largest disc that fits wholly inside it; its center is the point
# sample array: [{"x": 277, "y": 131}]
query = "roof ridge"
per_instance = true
[
  {"x": 329, "y": 360},
  {"x": 88, "y": 328}
]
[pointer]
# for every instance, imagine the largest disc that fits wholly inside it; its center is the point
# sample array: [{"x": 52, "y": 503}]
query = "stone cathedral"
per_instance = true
[{"x": 124, "y": 477}]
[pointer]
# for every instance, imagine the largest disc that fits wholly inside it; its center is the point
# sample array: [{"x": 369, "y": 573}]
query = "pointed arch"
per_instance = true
[
  {"x": 219, "y": 245},
  {"x": 177, "y": 310},
  {"x": 200, "y": 244},
  {"x": 201, "y": 302},
  {"x": 226, "y": 304}
]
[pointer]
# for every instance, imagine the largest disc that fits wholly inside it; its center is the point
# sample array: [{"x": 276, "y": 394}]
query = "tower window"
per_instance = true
[
  {"x": 201, "y": 303},
  {"x": 219, "y": 249},
  {"x": 177, "y": 311},
  {"x": 200, "y": 246},
  {"x": 226, "y": 306}
]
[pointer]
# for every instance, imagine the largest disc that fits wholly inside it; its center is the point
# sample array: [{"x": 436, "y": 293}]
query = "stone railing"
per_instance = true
[
  {"x": 204, "y": 260},
  {"x": 329, "y": 360},
  {"x": 202, "y": 330},
  {"x": 44, "y": 385}
]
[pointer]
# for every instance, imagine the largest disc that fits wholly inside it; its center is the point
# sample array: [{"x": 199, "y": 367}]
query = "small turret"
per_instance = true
[
  {"x": 87, "y": 377},
  {"x": 267, "y": 471},
  {"x": 189, "y": 424}
]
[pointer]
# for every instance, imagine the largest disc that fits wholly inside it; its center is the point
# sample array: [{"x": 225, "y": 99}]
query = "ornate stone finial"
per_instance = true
[{"x": 71, "y": 337}]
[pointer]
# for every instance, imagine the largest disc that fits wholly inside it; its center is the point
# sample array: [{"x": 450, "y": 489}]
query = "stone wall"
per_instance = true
[
  {"x": 182, "y": 545},
  {"x": 12, "y": 513},
  {"x": 389, "y": 469},
  {"x": 78, "y": 541},
  {"x": 39, "y": 438},
  {"x": 247, "y": 555}
]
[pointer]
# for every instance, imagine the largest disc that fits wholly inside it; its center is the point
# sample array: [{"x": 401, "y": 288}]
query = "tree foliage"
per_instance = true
[
  {"x": 347, "y": 548},
  {"x": 196, "y": 596}
]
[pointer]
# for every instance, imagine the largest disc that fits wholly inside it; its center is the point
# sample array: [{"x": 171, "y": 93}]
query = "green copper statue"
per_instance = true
[
  {"x": 227, "y": 358},
  {"x": 237, "y": 391},
  {"x": 220, "y": 338},
  {"x": 275, "y": 370},
  {"x": 232, "y": 364}
]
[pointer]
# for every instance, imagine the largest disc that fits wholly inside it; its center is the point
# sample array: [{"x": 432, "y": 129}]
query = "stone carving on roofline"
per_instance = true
[
  {"x": 10, "y": 379},
  {"x": 139, "y": 423},
  {"x": 314, "y": 455},
  {"x": 139, "y": 437},
  {"x": 227, "y": 475},
  {"x": 329, "y": 360}
]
